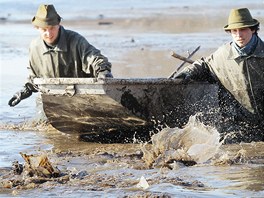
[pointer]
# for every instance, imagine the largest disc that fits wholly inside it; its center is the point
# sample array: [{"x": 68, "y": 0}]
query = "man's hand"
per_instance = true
[
  {"x": 105, "y": 74},
  {"x": 24, "y": 93},
  {"x": 185, "y": 77},
  {"x": 15, "y": 100}
]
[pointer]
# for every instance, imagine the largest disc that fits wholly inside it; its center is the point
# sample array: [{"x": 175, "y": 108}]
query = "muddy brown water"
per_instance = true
[
  {"x": 121, "y": 170},
  {"x": 138, "y": 42}
]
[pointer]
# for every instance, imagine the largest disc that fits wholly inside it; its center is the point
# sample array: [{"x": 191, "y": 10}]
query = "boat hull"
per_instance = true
[{"x": 91, "y": 106}]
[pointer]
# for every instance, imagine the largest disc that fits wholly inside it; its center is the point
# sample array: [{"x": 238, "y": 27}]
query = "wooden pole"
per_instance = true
[
  {"x": 173, "y": 54},
  {"x": 184, "y": 60}
]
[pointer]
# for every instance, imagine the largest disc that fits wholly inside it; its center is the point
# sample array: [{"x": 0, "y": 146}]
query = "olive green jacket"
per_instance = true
[
  {"x": 243, "y": 77},
  {"x": 73, "y": 56}
]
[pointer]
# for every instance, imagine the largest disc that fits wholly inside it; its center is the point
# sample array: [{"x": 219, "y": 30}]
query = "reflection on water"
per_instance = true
[
  {"x": 248, "y": 177},
  {"x": 13, "y": 142}
]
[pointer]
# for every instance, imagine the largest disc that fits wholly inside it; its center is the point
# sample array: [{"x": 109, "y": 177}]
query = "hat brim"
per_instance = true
[
  {"x": 45, "y": 23},
  {"x": 241, "y": 25}
]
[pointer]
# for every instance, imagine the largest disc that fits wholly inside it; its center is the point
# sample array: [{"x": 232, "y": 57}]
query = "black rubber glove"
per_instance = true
[
  {"x": 105, "y": 74},
  {"x": 29, "y": 88},
  {"x": 185, "y": 77}
]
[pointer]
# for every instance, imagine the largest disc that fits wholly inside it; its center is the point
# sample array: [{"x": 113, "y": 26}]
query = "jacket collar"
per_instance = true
[
  {"x": 259, "y": 51},
  {"x": 61, "y": 45}
]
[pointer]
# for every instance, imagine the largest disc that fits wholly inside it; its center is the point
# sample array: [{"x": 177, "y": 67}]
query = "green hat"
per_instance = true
[
  {"x": 240, "y": 18},
  {"x": 46, "y": 16}
]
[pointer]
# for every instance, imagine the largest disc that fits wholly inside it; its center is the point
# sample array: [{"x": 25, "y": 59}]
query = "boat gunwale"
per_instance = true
[{"x": 109, "y": 81}]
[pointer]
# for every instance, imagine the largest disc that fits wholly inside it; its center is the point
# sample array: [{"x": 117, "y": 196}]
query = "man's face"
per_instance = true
[
  {"x": 242, "y": 36},
  {"x": 49, "y": 34}
]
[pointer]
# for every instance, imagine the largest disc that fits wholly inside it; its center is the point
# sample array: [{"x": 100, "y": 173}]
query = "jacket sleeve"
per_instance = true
[
  {"x": 31, "y": 73},
  {"x": 200, "y": 69},
  {"x": 93, "y": 61}
]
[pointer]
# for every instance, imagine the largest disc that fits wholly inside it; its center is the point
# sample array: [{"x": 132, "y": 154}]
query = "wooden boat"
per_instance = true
[{"x": 129, "y": 106}]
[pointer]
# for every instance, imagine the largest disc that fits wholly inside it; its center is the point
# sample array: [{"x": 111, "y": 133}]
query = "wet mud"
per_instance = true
[{"x": 129, "y": 170}]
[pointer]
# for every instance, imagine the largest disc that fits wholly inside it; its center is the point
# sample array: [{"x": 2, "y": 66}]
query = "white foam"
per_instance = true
[{"x": 195, "y": 142}]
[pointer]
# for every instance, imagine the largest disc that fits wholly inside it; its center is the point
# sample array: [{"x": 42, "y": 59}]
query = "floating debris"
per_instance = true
[
  {"x": 105, "y": 23},
  {"x": 17, "y": 168},
  {"x": 143, "y": 183},
  {"x": 39, "y": 165},
  {"x": 36, "y": 170}
]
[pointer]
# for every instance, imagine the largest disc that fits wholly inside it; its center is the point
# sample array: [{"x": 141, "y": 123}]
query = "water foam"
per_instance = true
[{"x": 195, "y": 143}]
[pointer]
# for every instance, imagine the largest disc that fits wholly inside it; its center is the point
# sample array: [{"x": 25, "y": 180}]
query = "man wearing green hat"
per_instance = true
[
  {"x": 60, "y": 53},
  {"x": 238, "y": 68}
]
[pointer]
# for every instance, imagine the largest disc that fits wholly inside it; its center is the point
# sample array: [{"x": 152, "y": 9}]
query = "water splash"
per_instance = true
[{"x": 195, "y": 143}]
